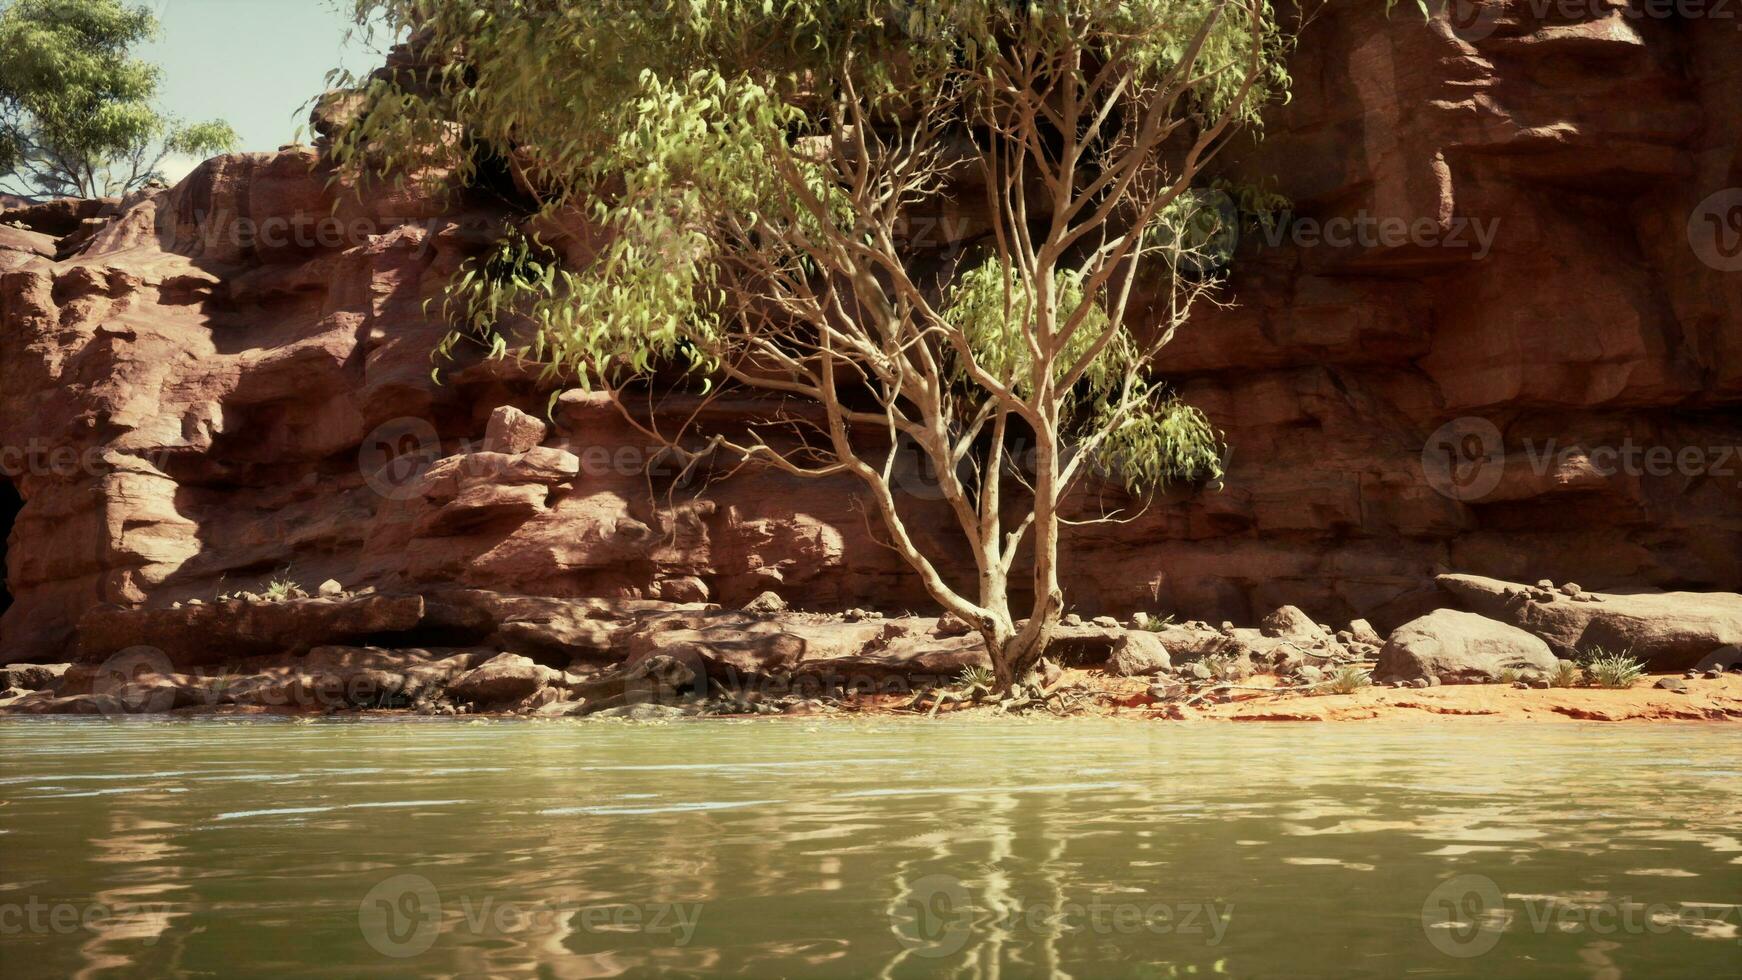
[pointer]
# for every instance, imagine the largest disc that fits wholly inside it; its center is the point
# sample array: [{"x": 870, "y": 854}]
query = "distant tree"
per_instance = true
[
  {"x": 753, "y": 174},
  {"x": 76, "y": 108}
]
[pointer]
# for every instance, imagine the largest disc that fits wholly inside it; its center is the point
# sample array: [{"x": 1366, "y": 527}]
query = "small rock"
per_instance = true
[
  {"x": 1105, "y": 622},
  {"x": 950, "y": 624},
  {"x": 1165, "y": 690},
  {"x": 1364, "y": 632},
  {"x": 1139, "y": 619},
  {"x": 767, "y": 602},
  {"x": 853, "y": 615},
  {"x": 1197, "y": 670},
  {"x": 1691, "y": 673},
  {"x": 1309, "y": 674},
  {"x": 1675, "y": 684},
  {"x": 330, "y": 589},
  {"x": 1419, "y": 682},
  {"x": 1227, "y": 628},
  {"x": 1713, "y": 673},
  {"x": 195, "y": 602},
  {"x": 1071, "y": 619},
  {"x": 1571, "y": 588},
  {"x": 1545, "y": 584},
  {"x": 512, "y": 431}
]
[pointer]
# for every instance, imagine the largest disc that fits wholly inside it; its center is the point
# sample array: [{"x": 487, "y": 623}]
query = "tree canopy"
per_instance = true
[
  {"x": 77, "y": 114},
  {"x": 734, "y": 185}
]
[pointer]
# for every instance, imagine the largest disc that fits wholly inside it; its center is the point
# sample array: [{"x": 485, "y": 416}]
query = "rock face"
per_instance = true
[
  {"x": 204, "y": 386},
  {"x": 208, "y": 634},
  {"x": 1461, "y": 648},
  {"x": 1668, "y": 630}
]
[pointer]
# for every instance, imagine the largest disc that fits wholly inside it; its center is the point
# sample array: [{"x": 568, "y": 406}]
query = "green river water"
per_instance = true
[{"x": 798, "y": 848}]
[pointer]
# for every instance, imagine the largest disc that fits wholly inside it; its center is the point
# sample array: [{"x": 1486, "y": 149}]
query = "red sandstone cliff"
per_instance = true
[{"x": 210, "y": 385}]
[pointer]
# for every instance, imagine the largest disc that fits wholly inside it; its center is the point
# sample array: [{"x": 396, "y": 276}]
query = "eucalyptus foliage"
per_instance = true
[{"x": 76, "y": 107}]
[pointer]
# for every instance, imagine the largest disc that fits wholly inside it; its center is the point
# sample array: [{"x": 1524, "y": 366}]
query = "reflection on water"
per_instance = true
[{"x": 897, "y": 849}]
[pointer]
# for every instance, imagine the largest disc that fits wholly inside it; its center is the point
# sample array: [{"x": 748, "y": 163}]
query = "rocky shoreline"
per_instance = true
[{"x": 1493, "y": 649}]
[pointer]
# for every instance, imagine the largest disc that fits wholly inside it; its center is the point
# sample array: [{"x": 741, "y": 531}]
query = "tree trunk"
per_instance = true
[{"x": 1016, "y": 656}]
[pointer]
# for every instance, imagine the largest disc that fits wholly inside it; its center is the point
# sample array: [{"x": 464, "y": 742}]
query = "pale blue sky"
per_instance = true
[{"x": 252, "y": 63}]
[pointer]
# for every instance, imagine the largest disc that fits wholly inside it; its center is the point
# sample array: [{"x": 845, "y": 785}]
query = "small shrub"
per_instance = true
[
  {"x": 1510, "y": 676},
  {"x": 1566, "y": 674},
  {"x": 1155, "y": 624},
  {"x": 1346, "y": 680},
  {"x": 976, "y": 676},
  {"x": 1613, "y": 670},
  {"x": 280, "y": 589},
  {"x": 1223, "y": 666}
]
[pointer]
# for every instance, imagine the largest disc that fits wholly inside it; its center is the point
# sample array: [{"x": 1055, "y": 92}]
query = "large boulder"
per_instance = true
[
  {"x": 1460, "y": 647},
  {"x": 1668, "y": 630},
  {"x": 503, "y": 679},
  {"x": 1290, "y": 622},
  {"x": 1137, "y": 653},
  {"x": 32, "y": 677}
]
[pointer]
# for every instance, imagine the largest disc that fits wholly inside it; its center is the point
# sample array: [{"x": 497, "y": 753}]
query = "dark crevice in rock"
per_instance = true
[{"x": 10, "y": 504}]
